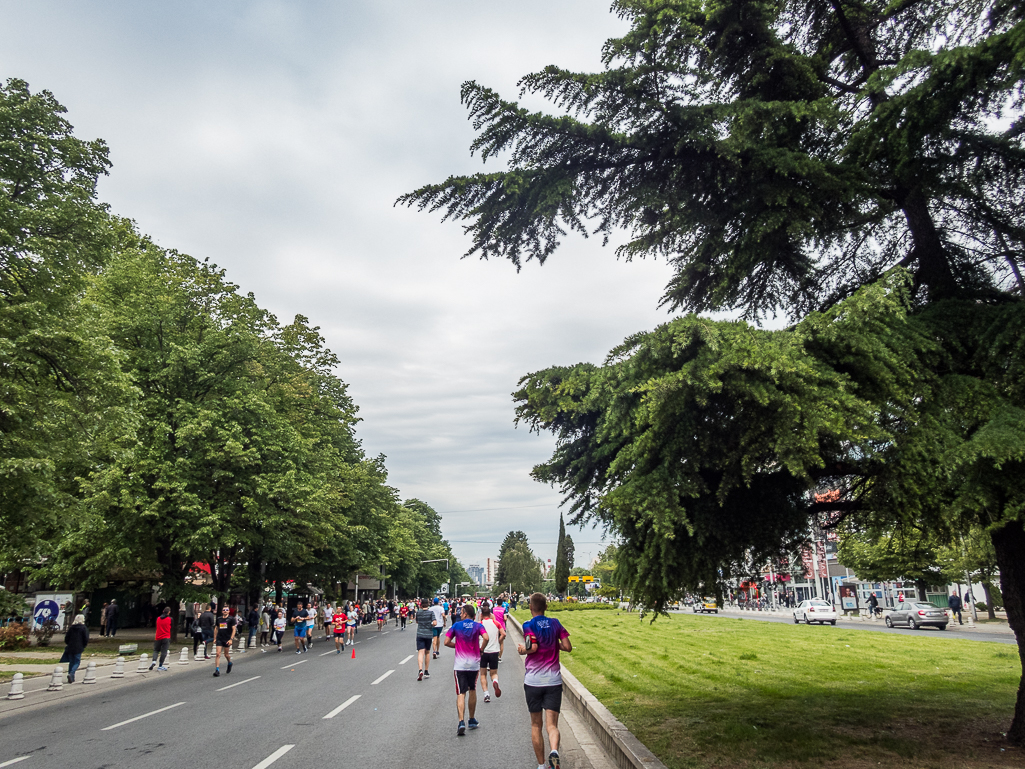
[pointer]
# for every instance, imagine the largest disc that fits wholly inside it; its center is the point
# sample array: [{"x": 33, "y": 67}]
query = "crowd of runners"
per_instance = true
[{"x": 474, "y": 629}]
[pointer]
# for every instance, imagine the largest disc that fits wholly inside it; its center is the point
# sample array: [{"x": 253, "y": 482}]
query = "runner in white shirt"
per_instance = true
[
  {"x": 439, "y": 615},
  {"x": 311, "y": 621},
  {"x": 489, "y": 653},
  {"x": 350, "y": 624},
  {"x": 279, "y": 628}
]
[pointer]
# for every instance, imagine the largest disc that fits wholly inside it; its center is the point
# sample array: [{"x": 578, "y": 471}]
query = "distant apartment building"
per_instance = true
[{"x": 477, "y": 573}]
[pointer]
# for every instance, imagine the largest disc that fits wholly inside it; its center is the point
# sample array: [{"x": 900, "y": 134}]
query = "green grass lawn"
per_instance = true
[{"x": 724, "y": 692}]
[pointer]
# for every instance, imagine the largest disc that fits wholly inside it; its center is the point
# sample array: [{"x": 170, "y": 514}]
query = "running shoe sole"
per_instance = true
[
  {"x": 461, "y": 729},
  {"x": 497, "y": 688},
  {"x": 553, "y": 760}
]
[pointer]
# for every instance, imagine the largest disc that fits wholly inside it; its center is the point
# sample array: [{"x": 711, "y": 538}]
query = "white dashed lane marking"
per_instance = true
[
  {"x": 407, "y": 659},
  {"x": 274, "y": 757},
  {"x": 286, "y": 667},
  {"x": 137, "y": 718},
  {"x": 14, "y": 761},
  {"x": 232, "y": 686},
  {"x": 374, "y": 683},
  {"x": 343, "y": 706}
]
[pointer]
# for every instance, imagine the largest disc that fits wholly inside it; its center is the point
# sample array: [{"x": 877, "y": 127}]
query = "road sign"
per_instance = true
[{"x": 44, "y": 611}]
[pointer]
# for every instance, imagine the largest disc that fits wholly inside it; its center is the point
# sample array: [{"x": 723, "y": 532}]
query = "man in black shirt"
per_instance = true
[
  {"x": 207, "y": 620},
  {"x": 226, "y": 626}
]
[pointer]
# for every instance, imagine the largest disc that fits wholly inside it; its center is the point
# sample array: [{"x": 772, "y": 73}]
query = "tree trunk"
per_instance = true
[
  {"x": 1009, "y": 544},
  {"x": 989, "y": 601},
  {"x": 278, "y": 592}
]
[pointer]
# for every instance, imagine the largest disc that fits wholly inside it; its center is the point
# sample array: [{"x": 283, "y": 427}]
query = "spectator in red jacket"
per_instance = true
[{"x": 162, "y": 640}]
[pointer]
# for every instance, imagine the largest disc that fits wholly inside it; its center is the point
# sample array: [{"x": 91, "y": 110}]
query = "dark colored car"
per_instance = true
[{"x": 916, "y": 614}]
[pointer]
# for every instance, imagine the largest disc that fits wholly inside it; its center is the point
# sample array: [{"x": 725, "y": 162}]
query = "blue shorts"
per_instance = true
[{"x": 300, "y": 631}]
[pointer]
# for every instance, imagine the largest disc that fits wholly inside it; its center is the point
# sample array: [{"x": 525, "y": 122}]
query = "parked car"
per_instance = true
[
  {"x": 706, "y": 605},
  {"x": 815, "y": 610},
  {"x": 916, "y": 614}
]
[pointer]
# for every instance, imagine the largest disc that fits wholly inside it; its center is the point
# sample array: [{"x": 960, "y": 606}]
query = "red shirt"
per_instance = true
[{"x": 163, "y": 628}]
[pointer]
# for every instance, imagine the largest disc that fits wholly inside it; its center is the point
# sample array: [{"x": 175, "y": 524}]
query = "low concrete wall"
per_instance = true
[{"x": 619, "y": 743}]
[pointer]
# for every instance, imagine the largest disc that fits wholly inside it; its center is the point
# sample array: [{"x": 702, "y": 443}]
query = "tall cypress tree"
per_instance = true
[{"x": 561, "y": 562}]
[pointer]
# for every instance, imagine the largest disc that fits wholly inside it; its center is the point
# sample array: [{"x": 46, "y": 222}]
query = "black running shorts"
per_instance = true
[
  {"x": 466, "y": 680},
  {"x": 489, "y": 660},
  {"x": 424, "y": 643},
  {"x": 543, "y": 698}
]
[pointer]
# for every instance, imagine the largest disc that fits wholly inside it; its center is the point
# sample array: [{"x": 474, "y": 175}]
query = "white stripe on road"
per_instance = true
[
  {"x": 343, "y": 706},
  {"x": 232, "y": 686},
  {"x": 373, "y": 683},
  {"x": 300, "y": 662},
  {"x": 274, "y": 757},
  {"x": 407, "y": 659},
  {"x": 144, "y": 715},
  {"x": 386, "y": 632},
  {"x": 327, "y": 653},
  {"x": 14, "y": 761}
]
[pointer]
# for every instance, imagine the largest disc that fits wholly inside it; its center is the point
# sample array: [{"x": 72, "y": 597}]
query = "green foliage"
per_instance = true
[
  {"x": 562, "y": 564},
  {"x": 522, "y": 569},
  {"x": 511, "y": 539},
  {"x": 784, "y": 157},
  {"x": 62, "y": 392},
  {"x": 778, "y": 154},
  {"x": 14, "y": 636},
  {"x": 12, "y": 605}
]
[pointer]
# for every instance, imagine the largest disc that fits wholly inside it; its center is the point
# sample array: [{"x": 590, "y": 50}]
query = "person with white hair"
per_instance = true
[{"x": 75, "y": 641}]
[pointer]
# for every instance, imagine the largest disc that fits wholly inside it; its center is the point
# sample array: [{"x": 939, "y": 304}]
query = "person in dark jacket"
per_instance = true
[
  {"x": 112, "y": 612},
  {"x": 253, "y": 621},
  {"x": 954, "y": 602},
  {"x": 873, "y": 605},
  {"x": 75, "y": 641}
]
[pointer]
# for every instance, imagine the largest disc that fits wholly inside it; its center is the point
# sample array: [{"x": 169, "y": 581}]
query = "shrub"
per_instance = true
[
  {"x": 14, "y": 636},
  {"x": 45, "y": 632},
  {"x": 576, "y": 606},
  {"x": 981, "y": 606}
]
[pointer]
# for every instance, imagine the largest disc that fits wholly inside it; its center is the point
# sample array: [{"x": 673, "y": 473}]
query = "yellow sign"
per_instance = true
[
  {"x": 574, "y": 579},
  {"x": 587, "y": 579}
]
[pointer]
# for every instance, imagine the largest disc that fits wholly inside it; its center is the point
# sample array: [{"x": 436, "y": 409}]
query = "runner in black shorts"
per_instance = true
[
  {"x": 544, "y": 637},
  {"x": 226, "y": 627}
]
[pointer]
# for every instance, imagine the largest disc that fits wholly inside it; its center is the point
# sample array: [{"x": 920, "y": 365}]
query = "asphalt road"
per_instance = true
[
  {"x": 280, "y": 709},
  {"x": 874, "y": 627}
]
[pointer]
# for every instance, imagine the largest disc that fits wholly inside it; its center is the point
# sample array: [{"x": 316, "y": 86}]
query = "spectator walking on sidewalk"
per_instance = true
[
  {"x": 954, "y": 602},
  {"x": 103, "y": 619},
  {"x": 207, "y": 620},
  {"x": 75, "y": 641},
  {"x": 111, "y": 613},
  {"x": 162, "y": 640}
]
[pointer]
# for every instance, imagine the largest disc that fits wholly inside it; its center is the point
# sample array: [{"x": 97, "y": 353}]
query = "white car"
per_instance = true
[{"x": 815, "y": 610}]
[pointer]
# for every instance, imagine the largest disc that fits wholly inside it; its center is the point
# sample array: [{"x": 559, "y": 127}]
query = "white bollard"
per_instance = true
[
  {"x": 119, "y": 668},
  {"x": 17, "y": 691},
  {"x": 90, "y": 674},
  {"x": 56, "y": 680},
  {"x": 183, "y": 658},
  {"x": 143, "y": 659},
  {"x": 242, "y": 644}
]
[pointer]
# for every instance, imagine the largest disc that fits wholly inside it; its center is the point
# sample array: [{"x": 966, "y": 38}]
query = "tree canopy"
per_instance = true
[{"x": 855, "y": 165}]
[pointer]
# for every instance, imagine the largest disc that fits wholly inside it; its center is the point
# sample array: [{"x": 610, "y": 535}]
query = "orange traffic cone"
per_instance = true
[{"x": 354, "y": 652}]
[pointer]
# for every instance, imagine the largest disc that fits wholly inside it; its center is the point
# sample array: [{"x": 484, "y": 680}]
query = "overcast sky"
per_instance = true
[{"x": 273, "y": 139}]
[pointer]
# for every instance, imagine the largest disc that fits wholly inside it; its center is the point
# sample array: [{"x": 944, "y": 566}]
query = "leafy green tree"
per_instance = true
[
  {"x": 783, "y": 156},
  {"x": 511, "y": 539},
  {"x": 523, "y": 568},
  {"x": 64, "y": 402},
  {"x": 907, "y": 553},
  {"x": 562, "y": 566}
]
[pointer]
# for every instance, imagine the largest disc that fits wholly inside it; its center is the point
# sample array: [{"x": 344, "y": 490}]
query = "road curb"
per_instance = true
[{"x": 626, "y": 751}]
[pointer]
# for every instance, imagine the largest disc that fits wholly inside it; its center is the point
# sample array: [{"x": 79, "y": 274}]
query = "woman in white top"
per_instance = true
[{"x": 279, "y": 628}]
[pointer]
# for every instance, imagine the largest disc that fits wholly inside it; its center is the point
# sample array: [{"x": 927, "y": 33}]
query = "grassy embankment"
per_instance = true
[{"x": 725, "y": 692}]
